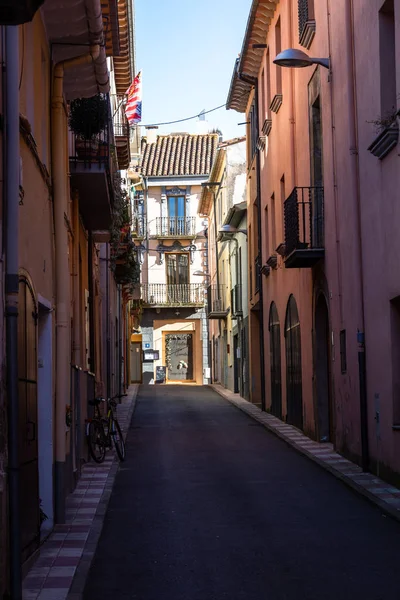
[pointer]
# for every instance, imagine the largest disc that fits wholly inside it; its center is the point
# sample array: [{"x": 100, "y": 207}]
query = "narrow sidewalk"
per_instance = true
[
  {"x": 73, "y": 544},
  {"x": 381, "y": 493}
]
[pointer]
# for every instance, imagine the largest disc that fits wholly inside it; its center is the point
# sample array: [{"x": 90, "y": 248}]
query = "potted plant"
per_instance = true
[{"x": 88, "y": 117}]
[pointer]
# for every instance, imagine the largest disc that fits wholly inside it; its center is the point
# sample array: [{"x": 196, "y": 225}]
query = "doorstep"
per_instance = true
[
  {"x": 381, "y": 493},
  {"x": 65, "y": 557}
]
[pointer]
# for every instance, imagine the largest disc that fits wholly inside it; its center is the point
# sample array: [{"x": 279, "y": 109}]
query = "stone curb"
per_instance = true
[
  {"x": 82, "y": 570},
  {"x": 260, "y": 416}
]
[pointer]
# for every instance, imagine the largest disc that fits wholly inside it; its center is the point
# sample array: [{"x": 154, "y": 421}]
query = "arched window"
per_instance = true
[
  {"x": 275, "y": 361},
  {"x": 294, "y": 392}
]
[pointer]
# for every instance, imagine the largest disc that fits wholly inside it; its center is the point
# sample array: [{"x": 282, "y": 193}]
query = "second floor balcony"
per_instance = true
[
  {"x": 304, "y": 227},
  {"x": 91, "y": 162},
  {"x": 175, "y": 227},
  {"x": 216, "y": 302},
  {"x": 138, "y": 226},
  {"x": 172, "y": 294}
]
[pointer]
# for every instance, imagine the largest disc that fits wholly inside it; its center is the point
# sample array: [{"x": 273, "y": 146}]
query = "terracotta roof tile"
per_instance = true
[{"x": 179, "y": 154}]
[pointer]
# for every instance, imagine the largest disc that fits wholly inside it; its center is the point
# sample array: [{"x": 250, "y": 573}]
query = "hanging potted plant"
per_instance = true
[{"x": 88, "y": 117}]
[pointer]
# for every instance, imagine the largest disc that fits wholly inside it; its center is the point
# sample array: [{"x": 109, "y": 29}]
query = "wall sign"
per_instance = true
[{"x": 151, "y": 354}]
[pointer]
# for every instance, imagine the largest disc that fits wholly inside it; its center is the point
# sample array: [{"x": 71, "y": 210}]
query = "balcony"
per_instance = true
[
  {"x": 90, "y": 169},
  {"x": 121, "y": 135},
  {"x": 236, "y": 301},
  {"x": 304, "y": 227},
  {"x": 175, "y": 227},
  {"x": 171, "y": 294},
  {"x": 216, "y": 304},
  {"x": 138, "y": 226}
]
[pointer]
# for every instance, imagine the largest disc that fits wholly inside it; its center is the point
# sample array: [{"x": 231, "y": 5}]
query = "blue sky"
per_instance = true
[{"x": 186, "y": 51}]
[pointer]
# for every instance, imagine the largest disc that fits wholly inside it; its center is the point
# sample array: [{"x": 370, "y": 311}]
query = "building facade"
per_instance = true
[
  {"x": 317, "y": 176},
  {"x": 68, "y": 178},
  {"x": 223, "y": 202},
  {"x": 173, "y": 331}
]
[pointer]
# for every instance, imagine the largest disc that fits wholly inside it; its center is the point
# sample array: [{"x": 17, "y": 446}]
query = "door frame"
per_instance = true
[
  {"x": 180, "y": 332},
  {"x": 141, "y": 362}
]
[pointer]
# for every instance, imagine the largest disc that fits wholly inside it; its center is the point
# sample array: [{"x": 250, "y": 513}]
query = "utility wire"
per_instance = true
[{"x": 203, "y": 112}]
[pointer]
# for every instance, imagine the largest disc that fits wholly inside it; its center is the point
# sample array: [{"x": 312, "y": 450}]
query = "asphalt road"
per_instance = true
[{"x": 210, "y": 505}]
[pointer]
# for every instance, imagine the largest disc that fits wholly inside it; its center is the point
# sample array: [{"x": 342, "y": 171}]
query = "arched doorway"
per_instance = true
[
  {"x": 322, "y": 370},
  {"x": 294, "y": 392},
  {"x": 28, "y": 418},
  {"x": 275, "y": 361}
]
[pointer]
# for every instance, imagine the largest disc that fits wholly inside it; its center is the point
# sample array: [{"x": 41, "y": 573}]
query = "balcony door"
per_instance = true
[
  {"x": 177, "y": 265},
  {"x": 176, "y": 215}
]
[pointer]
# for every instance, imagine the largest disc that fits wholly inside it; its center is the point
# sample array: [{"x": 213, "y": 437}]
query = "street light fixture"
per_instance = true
[
  {"x": 229, "y": 229},
  {"x": 298, "y": 59},
  {"x": 201, "y": 274}
]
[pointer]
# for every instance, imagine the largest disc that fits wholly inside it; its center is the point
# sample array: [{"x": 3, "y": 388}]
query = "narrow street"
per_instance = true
[{"x": 210, "y": 505}]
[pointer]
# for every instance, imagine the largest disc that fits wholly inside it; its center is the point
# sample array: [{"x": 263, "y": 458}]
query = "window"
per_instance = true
[
  {"x": 278, "y": 48},
  {"x": 266, "y": 231},
  {"x": 253, "y": 133},
  {"x": 343, "y": 351},
  {"x": 273, "y": 222},
  {"x": 262, "y": 107},
  {"x": 306, "y": 22},
  {"x": 387, "y": 58},
  {"x": 268, "y": 102},
  {"x": 283, "y": 198}
]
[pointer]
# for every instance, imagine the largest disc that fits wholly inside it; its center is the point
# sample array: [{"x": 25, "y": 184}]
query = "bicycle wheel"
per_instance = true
[
  {"x": 95, "y": 440},
  {"x": 118, "y": 440}
]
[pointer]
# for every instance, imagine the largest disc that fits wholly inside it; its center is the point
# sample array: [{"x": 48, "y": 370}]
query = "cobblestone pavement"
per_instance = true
[
  {"x": 73, "y": 544},
  {"x": 210, "y": 505},
  {"x": 378, "y": 491}
]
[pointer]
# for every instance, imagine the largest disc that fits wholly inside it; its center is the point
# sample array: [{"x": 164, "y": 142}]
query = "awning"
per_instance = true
[{"x": 72, "y": 26}]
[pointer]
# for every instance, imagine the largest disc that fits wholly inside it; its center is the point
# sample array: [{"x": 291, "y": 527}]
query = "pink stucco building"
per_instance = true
[{"x": 322, "y": 220}]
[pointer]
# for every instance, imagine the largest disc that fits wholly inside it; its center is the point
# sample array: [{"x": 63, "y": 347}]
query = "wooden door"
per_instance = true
[{"x": 28, "y": 419}]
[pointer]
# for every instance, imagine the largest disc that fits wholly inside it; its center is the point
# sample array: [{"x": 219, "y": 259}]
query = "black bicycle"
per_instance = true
[{"x": 104, "y": 431}]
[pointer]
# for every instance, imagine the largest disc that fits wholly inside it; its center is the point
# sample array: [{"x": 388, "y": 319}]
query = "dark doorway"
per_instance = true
[
  {"x": 294, "y": 392},
  {"x": 179, "y": 356},
  {"x": 236, "y": 364},
  {"x": 322, "y": 370},
  {"x": 275, "y": 361},
  {"x": 28, "y": 419}
]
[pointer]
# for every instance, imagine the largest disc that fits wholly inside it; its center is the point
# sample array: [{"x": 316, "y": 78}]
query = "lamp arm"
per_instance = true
[{"x": 324, "y": 62}]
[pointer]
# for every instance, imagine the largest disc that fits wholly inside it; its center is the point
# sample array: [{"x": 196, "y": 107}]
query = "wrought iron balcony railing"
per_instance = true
[
  {"x": 172, "y": 294},
  {"x": 257, "y": 273},
  {"x": 138, "y": 226},
  {"x": 176, "y": 226},
  {"x": 236, "y": 301},
  {"x": 216, "y": 302},
  {"x": 304, "y": 227}
]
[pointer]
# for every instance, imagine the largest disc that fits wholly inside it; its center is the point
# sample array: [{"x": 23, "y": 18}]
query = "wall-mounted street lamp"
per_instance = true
[
  {"x": 298, "y": 59},
  {"x": 229, "y": 229},
  {"x": 140, "y": 251},
  {"x": 201, "y": 274}
]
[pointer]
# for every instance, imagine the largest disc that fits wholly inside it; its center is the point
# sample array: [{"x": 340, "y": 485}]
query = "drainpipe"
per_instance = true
[
  {"x": 11, "y": 187},
  {"x": 92, "y": 347},
  {"x": 108, "y": 341},
  {"x": 353, "y": 133},
  {"x": 77, "y": 346},
  {"x": 60, "y": 199},
  {"x": 254, "y": 82}
]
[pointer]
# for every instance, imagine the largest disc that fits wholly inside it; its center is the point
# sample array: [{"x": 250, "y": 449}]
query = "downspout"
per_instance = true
[
  {"x": 353, "y": 131},
  {"x": 108, "y": 341},
  {"x": 11, "y": 204},
  {"x": 92, "y": 347},
  {"x": 60, "y": 200},
  {"x": 77, "y": 346},
  {"x": 254, "y": 82}
]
